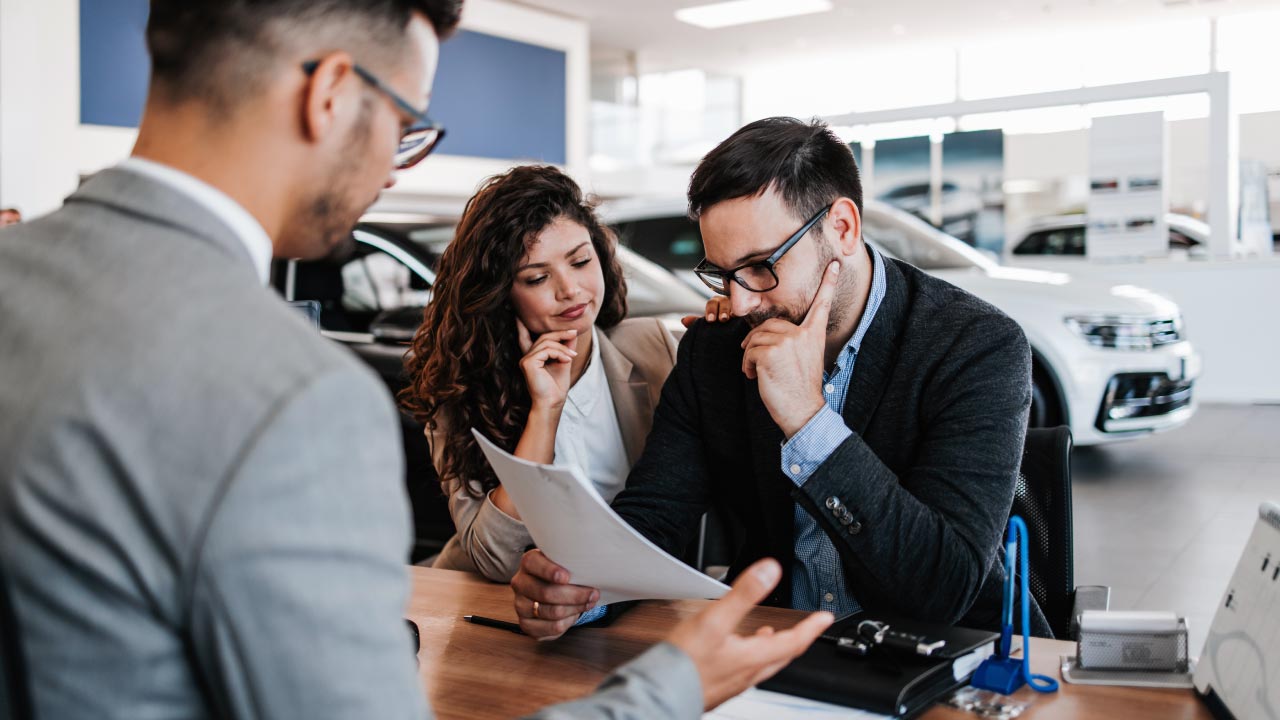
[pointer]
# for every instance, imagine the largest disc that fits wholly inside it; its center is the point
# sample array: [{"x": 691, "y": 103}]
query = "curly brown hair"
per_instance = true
[{"x": 463, "y": 365}]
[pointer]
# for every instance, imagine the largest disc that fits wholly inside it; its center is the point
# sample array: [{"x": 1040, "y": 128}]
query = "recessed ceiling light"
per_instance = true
[{"x": 741, "y": 12}]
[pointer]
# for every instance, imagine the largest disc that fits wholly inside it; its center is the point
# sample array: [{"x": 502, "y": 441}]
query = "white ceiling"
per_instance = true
[{"x": 649, "y": 28}]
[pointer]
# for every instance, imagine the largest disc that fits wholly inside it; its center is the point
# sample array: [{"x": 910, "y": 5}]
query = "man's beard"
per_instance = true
[
  {"x": 332, "y": 223},
  {"x": 795, "y": 315},
  {"x": 332, "y": 213}
]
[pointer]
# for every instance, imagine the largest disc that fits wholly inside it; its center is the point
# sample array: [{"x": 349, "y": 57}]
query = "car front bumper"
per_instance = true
[{"x": 1120, "y": 395}]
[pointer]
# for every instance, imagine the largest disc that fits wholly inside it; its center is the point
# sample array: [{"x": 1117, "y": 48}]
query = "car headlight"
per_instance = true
[{"x": 1123, "y": 333}]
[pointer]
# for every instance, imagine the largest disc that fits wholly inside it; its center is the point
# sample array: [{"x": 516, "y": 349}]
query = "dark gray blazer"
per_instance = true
[{"x": 938, "y": 406}]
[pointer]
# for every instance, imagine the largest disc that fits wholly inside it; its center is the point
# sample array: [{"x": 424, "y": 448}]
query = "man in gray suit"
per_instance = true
[{"x": 200, "y": 502}]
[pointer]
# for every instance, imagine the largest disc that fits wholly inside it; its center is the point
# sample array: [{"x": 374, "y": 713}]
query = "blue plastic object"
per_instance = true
[{"x": 1001, "y": 673}]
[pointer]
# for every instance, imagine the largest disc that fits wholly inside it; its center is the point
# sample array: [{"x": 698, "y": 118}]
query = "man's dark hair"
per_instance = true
[
  {"x": 804, "y": 162},
  {"x": 221, "y": 50}
]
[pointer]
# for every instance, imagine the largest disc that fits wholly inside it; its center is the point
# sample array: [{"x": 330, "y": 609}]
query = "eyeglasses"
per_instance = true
[
  {"x": 419, "y": 139},
  {"x": 758, "y": 276}
]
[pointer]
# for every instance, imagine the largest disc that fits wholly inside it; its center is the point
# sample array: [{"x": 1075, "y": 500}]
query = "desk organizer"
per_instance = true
[{"x": 1144, "y": 649}]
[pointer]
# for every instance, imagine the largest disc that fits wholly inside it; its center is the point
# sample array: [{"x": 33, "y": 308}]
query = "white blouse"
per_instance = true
[{"x": 588, "y": 435}]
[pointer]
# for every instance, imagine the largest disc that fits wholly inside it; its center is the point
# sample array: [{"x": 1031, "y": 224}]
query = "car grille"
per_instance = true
[{"x": 1166, "y": 332}]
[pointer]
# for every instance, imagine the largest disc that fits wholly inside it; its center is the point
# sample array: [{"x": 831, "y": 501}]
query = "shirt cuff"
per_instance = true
[
  {"x": 809, "y": 448},
  {"x": 592, "y": 615}
]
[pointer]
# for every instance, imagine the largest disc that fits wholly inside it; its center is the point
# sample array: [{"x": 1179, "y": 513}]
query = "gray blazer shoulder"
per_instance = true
[
  {"x": 637, "y": 355},
  {"x": 199, "y": 493}
]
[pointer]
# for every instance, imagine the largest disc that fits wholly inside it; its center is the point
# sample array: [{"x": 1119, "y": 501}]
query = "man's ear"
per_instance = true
[
  {"x": 847, "y": 222},
  {"x": 330, "y": 96}
]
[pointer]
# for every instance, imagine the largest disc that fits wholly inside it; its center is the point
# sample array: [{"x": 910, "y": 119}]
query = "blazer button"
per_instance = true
[
  {"x": 845, "y": 519},
  {"x": 833, "y": 503},
  {"x": 855, "y": 528}
]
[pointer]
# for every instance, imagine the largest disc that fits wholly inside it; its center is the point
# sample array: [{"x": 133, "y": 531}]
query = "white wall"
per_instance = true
[{"x": 44, "y": 150}]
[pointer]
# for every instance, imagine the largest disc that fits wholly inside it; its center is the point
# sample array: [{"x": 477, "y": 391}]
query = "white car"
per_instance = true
[
  {"x": 1049, "y": 241},
  {"x": 1112, "y": 362}
]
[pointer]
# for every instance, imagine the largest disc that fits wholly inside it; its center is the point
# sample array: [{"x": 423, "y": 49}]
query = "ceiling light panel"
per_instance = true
[{"x": 741, "y": 12}]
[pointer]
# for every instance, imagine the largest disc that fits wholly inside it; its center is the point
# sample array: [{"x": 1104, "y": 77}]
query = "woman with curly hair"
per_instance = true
[{"x": 525, "y": 341}]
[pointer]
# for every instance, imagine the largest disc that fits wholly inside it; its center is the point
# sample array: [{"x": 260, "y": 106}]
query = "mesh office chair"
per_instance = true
[
  {"x": 1042, "y": 498},
  {"x": 15, "y": 700}
]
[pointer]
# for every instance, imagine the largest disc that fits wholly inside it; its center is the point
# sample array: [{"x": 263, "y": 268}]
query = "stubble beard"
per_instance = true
[
  {"x": 796, "y": 314},
  {"x": 332, "y": 213}
]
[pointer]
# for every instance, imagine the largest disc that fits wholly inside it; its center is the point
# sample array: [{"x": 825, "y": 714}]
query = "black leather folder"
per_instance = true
[{"x": 885, "y": 681}]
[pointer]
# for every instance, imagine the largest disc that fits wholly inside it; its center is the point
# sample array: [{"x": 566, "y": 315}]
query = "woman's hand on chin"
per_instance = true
[{"x": 546, "y": 366}]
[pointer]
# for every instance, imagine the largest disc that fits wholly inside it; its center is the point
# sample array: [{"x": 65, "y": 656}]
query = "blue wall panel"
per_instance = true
[
  {"x": 497, "y": 98},
  {"x": 114, "y": 66},
  {"x": 500, "y": 99}
]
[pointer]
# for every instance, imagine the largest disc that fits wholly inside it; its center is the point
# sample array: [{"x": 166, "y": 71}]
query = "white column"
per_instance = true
[
  {"x": 1224, "y": 168},
  {"x": 868, "y": 169},
  {"x": 39, "y": 103}
]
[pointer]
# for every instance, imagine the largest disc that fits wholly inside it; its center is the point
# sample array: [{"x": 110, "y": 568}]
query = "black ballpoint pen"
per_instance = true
[{"x": 490, "y": 622}]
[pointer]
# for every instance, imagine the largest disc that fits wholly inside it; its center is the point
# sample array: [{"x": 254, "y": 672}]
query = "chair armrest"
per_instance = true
[{"x": 1088, "y": 597}]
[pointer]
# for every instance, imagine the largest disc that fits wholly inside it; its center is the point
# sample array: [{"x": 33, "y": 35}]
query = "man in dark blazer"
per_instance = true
[{"x": 857, "y": 416}]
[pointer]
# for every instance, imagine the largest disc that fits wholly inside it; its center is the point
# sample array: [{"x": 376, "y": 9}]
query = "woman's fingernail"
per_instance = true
[
  {"x": 724, "y": 316},
  {"x": 711, "y": 316}
]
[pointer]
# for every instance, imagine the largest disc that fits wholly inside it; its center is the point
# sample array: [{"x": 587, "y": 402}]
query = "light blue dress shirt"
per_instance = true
[{"x": 817, "y": 578}]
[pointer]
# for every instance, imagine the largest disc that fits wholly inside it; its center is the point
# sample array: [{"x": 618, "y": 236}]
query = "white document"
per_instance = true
[
  {"x": 573, "y": 525},
  {"x": 757, "y": 704}
]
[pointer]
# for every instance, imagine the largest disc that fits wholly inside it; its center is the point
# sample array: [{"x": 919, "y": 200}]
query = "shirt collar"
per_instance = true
[
  {"x": 245, "y": 226},
  {"x": 874, "y": 298}
]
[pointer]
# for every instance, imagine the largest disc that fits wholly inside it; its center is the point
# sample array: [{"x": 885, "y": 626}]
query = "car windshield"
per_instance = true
[{"x": 907, "y": 238}]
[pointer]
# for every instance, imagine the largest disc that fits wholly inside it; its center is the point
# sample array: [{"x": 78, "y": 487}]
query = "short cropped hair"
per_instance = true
[
  {"x": 804, "y": 162},
  {"x": 223, "y": 50}
]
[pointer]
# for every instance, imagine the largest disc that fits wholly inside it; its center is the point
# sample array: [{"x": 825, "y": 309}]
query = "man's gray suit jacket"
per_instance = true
[{"x": 201, "y": 508}]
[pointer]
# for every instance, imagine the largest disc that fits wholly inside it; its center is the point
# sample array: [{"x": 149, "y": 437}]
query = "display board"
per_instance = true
[
  {"x": 902, "y": 174},
  {"x": 1255, "y": 209},
  {"x": 973, "y": 187},
  {"x": 1128, "y": 187}
]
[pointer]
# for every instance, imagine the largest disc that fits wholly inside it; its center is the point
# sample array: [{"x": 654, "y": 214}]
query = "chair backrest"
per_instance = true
[
  {"x": 15, "y": 701},
  {"x": 1042, "y": 498}
]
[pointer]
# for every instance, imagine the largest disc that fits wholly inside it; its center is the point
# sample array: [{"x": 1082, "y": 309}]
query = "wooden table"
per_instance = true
[{"x": 475, "y": 672}]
